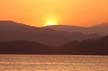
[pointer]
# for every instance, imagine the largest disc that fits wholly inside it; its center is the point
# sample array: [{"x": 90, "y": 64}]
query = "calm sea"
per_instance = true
[{"x": 53, "y": 63}]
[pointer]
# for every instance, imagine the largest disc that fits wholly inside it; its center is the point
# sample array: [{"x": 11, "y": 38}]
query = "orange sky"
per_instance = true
[{"x": 65, "y": 12}]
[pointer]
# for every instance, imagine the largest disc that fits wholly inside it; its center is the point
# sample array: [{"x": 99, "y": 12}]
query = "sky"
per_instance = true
[{"x": 55, "y": 12}]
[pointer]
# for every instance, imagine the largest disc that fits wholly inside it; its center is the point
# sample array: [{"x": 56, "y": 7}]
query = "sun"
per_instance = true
[{"x": 51, "y": 20}]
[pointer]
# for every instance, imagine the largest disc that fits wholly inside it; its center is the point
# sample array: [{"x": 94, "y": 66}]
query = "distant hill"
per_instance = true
[
  {"x": 24, "y": 39},
  {"x": 23, "y": 47},
  {"x": 12, "y": 31},
  {"x": 96, "y": 46},
  {"x": 14, "y": 26},
  {"x": 87, "y": 47},
  {"x": 100, "y": 29},
  {"x": 66, "y": 28}
]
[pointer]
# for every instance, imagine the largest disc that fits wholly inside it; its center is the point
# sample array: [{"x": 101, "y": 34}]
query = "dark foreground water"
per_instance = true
[{"x": 53, "y": 63}]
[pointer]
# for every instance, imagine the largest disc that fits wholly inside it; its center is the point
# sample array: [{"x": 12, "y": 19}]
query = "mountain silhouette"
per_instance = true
[
  {"x": 23, "y": 47},
  {"x": 66, "y": 28},
  {"x": 18, "y": 38},
  {"x": 91, "y": 47},
  {"x": 100, "y": 29},
  {"x": 14, "y": 26},
  {"x": 11, "y": 31},
  {"x": 86, "y": 47}
]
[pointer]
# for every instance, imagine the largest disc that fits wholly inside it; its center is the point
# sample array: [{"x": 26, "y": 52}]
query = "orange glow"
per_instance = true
[
  {"x": 51, "y": 19},
  {"x": 70, "y": 12}
]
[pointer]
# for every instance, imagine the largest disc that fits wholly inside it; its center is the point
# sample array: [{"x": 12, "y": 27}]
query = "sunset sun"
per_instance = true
[{"x": 51, "y": 20}]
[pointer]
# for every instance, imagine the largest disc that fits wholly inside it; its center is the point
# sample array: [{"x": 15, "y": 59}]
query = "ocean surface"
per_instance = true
[{"x": 53, "y": 63}]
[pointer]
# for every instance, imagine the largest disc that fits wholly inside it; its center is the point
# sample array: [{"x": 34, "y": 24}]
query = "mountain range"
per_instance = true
[
  {"x": 93, "y": 46},
  {"x": 100, "y": 29},
  {"x": 49, "y": 35},
  {"x": 86, "y": 47},
  {"x": 24, "y": 39}
]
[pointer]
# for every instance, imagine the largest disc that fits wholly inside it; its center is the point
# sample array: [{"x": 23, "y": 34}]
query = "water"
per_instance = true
[{"x": 53, "y": 63}]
